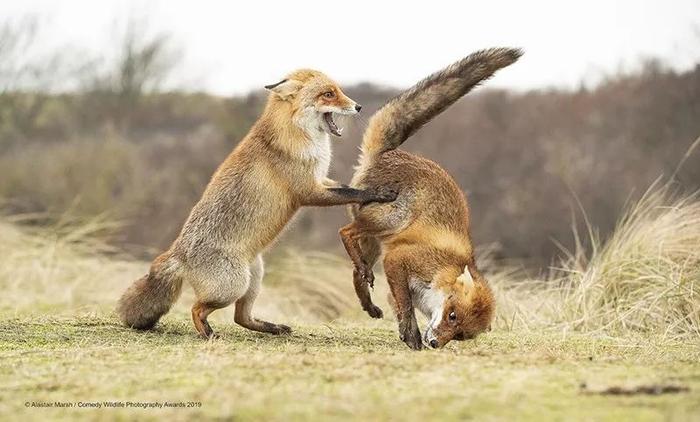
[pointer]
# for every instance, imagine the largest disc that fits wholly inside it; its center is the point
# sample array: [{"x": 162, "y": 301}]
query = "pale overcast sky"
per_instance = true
[{"x": 235, "y": 46}]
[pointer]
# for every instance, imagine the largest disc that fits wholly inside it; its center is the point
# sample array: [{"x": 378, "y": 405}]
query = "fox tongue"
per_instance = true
[{"x": 328, "y": 117}]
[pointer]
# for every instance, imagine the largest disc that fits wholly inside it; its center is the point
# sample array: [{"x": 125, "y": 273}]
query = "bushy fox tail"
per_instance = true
[
  {"x": 402, "y": 116},
  {"x": 151, "y": 296}
]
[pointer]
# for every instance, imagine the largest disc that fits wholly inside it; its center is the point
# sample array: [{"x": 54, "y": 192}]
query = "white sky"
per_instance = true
[{"x": 235, "y": 46}]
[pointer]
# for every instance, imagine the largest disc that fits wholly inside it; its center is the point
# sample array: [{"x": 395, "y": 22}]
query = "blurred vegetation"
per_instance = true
[
  {"x": 641, "y": 281},
  {"x": 118, "y": 143}
]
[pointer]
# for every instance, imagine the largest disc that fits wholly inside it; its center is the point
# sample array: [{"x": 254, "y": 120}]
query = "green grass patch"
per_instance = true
[{"x": 340, "y": 370}]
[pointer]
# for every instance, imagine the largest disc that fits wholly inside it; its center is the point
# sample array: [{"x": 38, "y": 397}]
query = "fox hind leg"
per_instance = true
[
  {"x": 364, "y": 252},
  {"x": 200, "y": 312},
  {"x": 219, "y": 281},
  {"x": 353, "y": 238},
  {"x": 371, "y": 250},
  {"x": 244, "y": 306}
]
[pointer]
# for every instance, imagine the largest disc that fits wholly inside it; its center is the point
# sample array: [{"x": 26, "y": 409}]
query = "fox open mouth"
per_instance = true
[{"x": 332, "y": 127}]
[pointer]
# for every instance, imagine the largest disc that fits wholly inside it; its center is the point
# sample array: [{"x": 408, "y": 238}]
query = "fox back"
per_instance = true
[{"x": 425, "y": 233}]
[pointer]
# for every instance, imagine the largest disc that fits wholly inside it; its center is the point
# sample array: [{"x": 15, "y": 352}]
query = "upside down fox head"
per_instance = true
[{"x": 464, "y": 310}]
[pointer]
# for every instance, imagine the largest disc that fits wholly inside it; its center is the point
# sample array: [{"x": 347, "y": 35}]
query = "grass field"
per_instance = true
[
  {"x": 341, "y": 370},
  {"x": 609, "y": 335}
]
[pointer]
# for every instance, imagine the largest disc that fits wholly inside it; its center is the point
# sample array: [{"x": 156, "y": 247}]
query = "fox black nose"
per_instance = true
[
  {"x": 433, "y": 343},
  {"x": 358, "y": 108}
]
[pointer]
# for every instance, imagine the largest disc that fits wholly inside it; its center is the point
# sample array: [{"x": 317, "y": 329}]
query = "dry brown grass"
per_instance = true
[
  {"x": 64, "y": 267},
  {"x": 643, "y": 279},
  {"x": 68, "y": 268}
]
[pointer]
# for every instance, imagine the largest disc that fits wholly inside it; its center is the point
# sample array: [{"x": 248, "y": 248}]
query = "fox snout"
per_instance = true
[
  {"x": 354, "y": 109},
  {"x": 351, "y": 108},
  {"x": 431, "y": 338}
]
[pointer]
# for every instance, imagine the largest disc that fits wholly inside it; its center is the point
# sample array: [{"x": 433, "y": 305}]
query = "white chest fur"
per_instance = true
[
  {"x": 319, "y": 151},
  {"x": 319, "y": 147},
  {"x": 428, "y": 301}
]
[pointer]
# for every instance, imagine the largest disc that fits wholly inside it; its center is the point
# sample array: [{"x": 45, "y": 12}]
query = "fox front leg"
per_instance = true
[
  {"x": 397, "y": 277},
  {"x": 324, "y": 196}
]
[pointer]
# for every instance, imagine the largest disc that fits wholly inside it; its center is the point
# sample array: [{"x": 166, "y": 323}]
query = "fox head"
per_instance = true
[
  {"x": 314, "y": 99},
  {"x": 465, "y": 311}
]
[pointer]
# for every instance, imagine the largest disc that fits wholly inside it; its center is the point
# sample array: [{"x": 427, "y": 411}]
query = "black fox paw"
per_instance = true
[
  {"x": 375, "y": 312},
  {"x": 281, "y": 329},
  {"x": 383, "y": 194}
]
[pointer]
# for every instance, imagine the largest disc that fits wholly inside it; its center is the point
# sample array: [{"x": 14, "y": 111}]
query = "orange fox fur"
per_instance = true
[
  {"x": 280, "y": 166},
  {"x": 424, "y": 234}
]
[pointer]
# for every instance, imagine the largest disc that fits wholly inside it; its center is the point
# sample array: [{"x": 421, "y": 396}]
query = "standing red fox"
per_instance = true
[
  {"x": 424, "y": 234},
  {"x": 278, "y": 167}
]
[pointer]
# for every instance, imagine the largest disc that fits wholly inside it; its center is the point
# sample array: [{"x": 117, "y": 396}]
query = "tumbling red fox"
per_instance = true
[
  {"x": 280, "y": 166},
  {"x": 424, "y": 234}
]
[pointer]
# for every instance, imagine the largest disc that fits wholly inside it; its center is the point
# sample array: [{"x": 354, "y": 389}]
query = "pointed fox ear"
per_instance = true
[
  {"x": 466, "y": 277},
  {"x": 284, "y": 88}
]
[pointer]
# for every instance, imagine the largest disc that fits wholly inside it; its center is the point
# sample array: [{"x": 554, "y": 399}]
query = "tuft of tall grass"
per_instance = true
[
  {"x": 644, "y": 278},
  {"x": 64, "y": 267}
]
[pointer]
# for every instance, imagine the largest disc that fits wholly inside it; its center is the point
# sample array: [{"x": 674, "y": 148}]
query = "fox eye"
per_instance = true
[
  {"x": 452, "y": 316},
  {"x": 329, "y": 94}
]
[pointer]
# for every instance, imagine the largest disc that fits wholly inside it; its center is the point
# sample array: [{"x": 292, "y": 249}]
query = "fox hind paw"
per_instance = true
[{"x": 375, "y": 312}]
